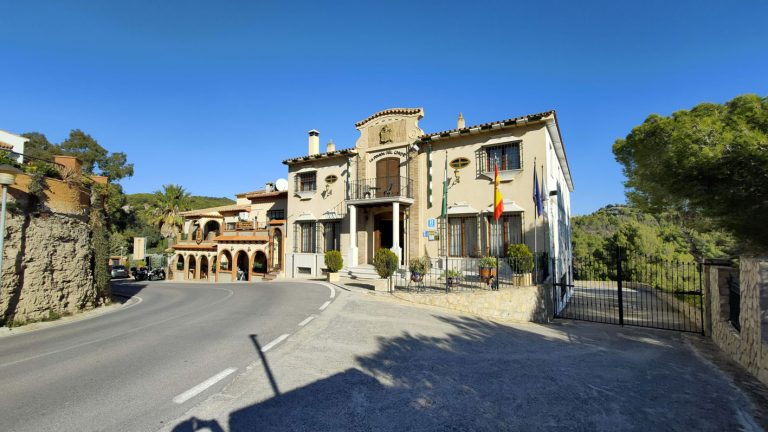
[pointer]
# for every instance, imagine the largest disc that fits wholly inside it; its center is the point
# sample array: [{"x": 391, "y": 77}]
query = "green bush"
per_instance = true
[
  {"x": 333, "y": 261},
  {"x": 385, "y": 262},
  {"x": 453, "y": 274},
  {"x": 419, "y": 265},
  {"x": 520, "y": 258},
  {"x": 488, "y": 261}
]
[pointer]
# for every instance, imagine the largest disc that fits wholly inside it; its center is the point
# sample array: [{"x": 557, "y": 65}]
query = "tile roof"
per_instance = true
[
  {"x": 195, "y": 246},
  {"x": 253, "y": 238},
  {"x": 516, "y": 121},
  {"x": 404, "y": 111},
  {"x": 226, "y": 208},
  {"x": 300, "y": 159},
  {"x": 6, "y": 146},
  {"x": 264, "y": 194}
]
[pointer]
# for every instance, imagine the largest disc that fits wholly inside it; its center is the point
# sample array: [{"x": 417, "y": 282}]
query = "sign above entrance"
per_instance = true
[{"x": 386, "y": 153}]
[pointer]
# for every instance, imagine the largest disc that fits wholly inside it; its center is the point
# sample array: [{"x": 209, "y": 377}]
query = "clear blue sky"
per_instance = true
[{"x": 213, "y": 95}]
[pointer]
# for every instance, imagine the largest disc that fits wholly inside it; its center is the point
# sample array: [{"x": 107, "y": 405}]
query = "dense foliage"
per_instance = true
[
  {"x": 707, "y": 165},
  {"x": 334, "y": 261},
  {"x": 385, "y": 262},
  {"x": 597, "y": 235}
]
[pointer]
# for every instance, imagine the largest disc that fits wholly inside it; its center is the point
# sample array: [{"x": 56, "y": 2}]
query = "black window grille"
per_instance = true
[
  {"x": 306, "y": 182},
  {"x": 332, "y": 234},
  {"x": 506, "y": 155},
  {"x": 305, "y": 237},
  {"x": 276, "y": 214},
  {"x": 462, "y": 236}
]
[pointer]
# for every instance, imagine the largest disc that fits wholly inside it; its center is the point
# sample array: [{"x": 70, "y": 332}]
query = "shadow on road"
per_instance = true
[
  {"x": 124, "y": 289},
  {"x": 487, "y": 376}
]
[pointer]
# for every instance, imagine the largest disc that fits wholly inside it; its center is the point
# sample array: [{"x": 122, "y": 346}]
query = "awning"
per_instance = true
[{"x": 509, "y": 207}]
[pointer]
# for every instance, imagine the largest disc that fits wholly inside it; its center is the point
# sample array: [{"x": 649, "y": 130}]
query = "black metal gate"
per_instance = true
[{"x": 636, "y": 290}]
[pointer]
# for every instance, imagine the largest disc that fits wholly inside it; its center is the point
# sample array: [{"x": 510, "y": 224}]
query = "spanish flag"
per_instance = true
[{"x": 498, "y": 202}]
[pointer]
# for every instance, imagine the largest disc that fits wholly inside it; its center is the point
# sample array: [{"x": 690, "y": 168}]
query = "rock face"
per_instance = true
[{"x": 48, "y": 266}]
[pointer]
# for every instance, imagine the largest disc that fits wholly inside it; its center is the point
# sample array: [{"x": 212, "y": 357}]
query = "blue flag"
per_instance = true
[{"x": 537, "y": 194}]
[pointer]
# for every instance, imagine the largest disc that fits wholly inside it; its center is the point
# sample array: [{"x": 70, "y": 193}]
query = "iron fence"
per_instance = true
[
  {"x": 638, "y": 290},
  {"x": 449, "y": 274}
]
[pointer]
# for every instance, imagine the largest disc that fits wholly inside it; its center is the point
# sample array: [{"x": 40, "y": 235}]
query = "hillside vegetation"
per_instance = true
[{"x": 661, "y": 235}]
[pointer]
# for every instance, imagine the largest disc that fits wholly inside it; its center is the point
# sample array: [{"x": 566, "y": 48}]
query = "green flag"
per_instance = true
[{"x": 444, "y": 211}]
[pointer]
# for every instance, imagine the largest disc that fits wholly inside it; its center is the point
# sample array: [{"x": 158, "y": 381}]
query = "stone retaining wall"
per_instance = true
[
  {"x": 749, "y": 346},
  {"x": 521, "y": 304}
]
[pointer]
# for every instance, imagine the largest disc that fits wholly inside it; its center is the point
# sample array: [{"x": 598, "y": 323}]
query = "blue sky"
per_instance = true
[{"x": 213, "y": 95}]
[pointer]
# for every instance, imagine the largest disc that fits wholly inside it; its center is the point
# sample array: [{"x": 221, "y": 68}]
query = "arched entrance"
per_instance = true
[
  {"x": 277, "y": 249},
  {"x": 191, "y": 268},
  {"x": 180, "y": 262},
  {"x": 241, "y": 266},
  {"x": 224, "y": 269},
  {"x": 259, "y": 263},
  {"x": 204, "y": 267},
  {"x": 211, "y": 230}
]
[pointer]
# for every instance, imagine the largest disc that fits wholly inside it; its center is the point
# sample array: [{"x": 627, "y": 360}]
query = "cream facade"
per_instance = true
[
  {"x": 242, "y": 241},
  {"x": 13, "y": 143},
  {"x": 380, "y": 193}
]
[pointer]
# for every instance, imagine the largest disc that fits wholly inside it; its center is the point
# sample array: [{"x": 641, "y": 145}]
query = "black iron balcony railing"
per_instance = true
[{"x": 381, "y": 187}]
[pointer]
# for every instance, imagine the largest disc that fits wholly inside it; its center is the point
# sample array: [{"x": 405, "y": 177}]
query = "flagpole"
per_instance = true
[{"x": 535, "y": 214}]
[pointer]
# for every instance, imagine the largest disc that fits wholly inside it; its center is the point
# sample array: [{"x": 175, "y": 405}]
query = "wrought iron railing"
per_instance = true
[{"x": 381, "y": 187}]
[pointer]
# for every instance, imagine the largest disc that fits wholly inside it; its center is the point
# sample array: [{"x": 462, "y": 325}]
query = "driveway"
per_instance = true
[{"x": 371, "y": 363}]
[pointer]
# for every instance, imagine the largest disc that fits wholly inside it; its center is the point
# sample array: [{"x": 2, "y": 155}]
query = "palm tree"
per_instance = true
[{"x": 168, "y": 205}]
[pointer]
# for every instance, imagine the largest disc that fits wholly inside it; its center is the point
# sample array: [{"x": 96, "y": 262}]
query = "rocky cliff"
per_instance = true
[{"x": 49, "y": 263}]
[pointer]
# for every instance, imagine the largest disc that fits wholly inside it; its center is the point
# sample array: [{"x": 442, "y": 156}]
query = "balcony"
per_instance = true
[{"x": 392, "y": 188}]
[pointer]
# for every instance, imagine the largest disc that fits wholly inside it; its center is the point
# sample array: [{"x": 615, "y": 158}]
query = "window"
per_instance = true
[
  {"x": 331, "y": 179},
  {"x": 306, "y": 182},
  {"x": 332, "y": 234},
  {"x": 231, "y": 226},
  {"x": 276, "y": 214},
  {"x": 509, "y": 230},
  {"x": 506, "y": 155},
  {"x": 304, "y": 237},
  {"x": 462, "y": 236},
  {"x": 459, "y": 163}
]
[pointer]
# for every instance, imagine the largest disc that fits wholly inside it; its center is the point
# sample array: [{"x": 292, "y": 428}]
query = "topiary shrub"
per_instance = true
[
  {"x": 520, "y": 258},
  {"x": 385, "y": 262},
  {"x": 333, "y": 261}
]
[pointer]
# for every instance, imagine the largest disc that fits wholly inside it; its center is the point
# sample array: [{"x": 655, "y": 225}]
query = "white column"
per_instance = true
[
  {"x": 352, "y": 259},
  {"x": 396, "y": 231}
]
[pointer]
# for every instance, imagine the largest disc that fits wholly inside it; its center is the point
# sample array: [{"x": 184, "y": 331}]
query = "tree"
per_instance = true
[
  {"x": 707, "y": 163},
  {"x": 169, "y": 204},
  {"x": 39, "y": 147},
  {"x": 84, "y": 147}
]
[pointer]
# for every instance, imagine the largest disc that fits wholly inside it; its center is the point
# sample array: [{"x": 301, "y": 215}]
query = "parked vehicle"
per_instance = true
[
  {"x": 141, "y": 274},
  {"x": 118, "y": 271},
  {"x": 157, "y": 273}
]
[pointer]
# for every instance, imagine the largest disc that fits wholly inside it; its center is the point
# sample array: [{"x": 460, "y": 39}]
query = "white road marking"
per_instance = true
[
  {"x": 133, "y": 330},
  {"x": 325, "y": 305},
  {"x": 196, "y": 390},
  {"x": 272, "y": 344},
  {"x": 306, "y": 321}
]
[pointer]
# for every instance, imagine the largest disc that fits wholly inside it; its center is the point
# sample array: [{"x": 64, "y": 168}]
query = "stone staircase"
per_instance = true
[{"x": 362, "y": 272}]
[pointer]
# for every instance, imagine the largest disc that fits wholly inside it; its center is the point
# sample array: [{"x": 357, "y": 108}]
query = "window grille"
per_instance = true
[
  {"x": 332, "y": 234},
  {"x": 276, "y": 214},
  {"x": 508, "y": 156},
  {"x": 509, "y": 230},
  {"x": 462, "y": 236},
  {"x": 306, "y": 182}
]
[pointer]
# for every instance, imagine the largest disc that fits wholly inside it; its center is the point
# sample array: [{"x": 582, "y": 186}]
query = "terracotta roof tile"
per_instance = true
[
  {"x": 226, "y": 208},
  {"x": 404, "y": 111},
  {"x": 300, "y": 159},
  {"x": 502, "y": 123}
]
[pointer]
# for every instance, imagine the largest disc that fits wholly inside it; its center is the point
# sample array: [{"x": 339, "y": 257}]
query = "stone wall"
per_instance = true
[
  {"x": 48, "y": 255},
  {"x": 520, "y": 304},
  {"x": 748, "y": 346}
]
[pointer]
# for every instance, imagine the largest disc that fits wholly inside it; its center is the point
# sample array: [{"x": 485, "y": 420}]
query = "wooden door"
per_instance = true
[{"x": 388, "y": 177}]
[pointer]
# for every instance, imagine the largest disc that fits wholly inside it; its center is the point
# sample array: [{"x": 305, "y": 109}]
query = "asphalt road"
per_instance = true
[{"x": 135, "y": 369}]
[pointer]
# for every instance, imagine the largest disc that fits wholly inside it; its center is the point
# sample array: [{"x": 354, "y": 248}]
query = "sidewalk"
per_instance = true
[{"x": 371, "y": 364}]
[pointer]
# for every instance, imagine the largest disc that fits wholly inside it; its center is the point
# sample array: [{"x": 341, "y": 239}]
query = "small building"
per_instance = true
[
  {"x": 241, "y": 241},
  {"x": 14, "y": 144},
  {"x": 386, "y": 192}
]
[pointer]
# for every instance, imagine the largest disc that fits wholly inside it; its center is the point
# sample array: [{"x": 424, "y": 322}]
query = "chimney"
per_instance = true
[
  {"x": 269, "y": 187},
  {"x": 460, "y": 123},
  {"x": 330, "y": 147},
  {"x": 314, "y": 142}
]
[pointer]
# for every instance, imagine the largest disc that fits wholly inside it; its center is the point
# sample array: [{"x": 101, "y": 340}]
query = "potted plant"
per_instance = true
[
  {"x": 418, "y": 268},
  {"x": 334, "y": 262},
  {"x": 488, "y": 266},
  {"x": 453, "y": 277},
  {"x": 521, "y": 262}
]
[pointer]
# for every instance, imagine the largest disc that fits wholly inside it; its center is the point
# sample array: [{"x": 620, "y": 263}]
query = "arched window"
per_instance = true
[
  {"x": 180, "y": 262},
  {"x": 226, "y": 261}
]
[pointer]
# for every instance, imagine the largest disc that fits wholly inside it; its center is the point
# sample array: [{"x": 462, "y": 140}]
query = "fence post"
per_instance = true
[{"x": 618, "y": 282}]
